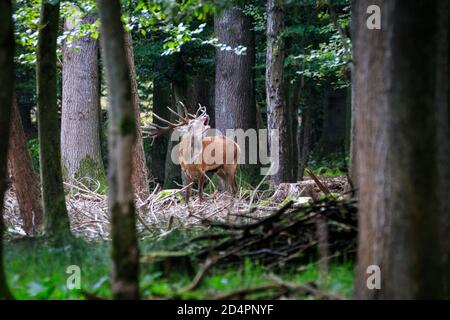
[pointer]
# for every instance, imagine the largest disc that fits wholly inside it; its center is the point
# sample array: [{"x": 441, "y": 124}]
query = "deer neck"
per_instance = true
[{"x": 191, "y": 148}]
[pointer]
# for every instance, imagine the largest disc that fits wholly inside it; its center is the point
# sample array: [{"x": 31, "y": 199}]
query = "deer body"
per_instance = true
[
  {"x": 199, "y": 154},
  {"x": 218, "y": 154}
]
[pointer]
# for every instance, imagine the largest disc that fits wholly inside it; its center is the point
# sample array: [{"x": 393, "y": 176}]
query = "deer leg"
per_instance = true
[
  {"x": 187, "y": 192},
  {"x": 230, "y": 177},
  {"x": 201, "y": 182},
  {"x": 223, "y": 177},
  {"x": 231, "y": 182}
]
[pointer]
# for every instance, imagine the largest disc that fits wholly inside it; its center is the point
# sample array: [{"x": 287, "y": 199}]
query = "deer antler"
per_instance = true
[
  {"x": 186, "y": 113},
  {"x": 154, "y": 130},
  {"x": 201, "y": 109},
  {"x": 177, "y": 114}
]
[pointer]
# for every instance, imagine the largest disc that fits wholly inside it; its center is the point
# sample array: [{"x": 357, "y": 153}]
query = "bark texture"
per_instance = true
[
  {"x": 306, "y": 130},
  {"x": 122, "y": 138},
  {"x": 370, "y": 114},
  {"x": 80, "y": 123},
  {"x": 57, "y": 223},
  {"x": 293, "y": 102},
  {"x": 402, "y": 143},
  {"x": 276, "y": 104},
  {"x": 161, "y": 100},
  {"x": 201, "y": 91},
  {"x": 140, "y": 177},
  {"x": 24, "y": 179},
  {"x": 235, "y": 105},
  {"x": 7, "y": 76},
  {"x": 172, "y": 171}
]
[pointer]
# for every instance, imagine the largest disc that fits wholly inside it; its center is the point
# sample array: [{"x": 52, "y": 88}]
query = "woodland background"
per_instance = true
[{"x": 364, "y": 121}]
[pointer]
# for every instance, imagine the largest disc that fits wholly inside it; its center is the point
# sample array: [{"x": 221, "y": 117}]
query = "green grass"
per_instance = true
[
  {"x": 37, "y": 271},
  {"x": 334, "y": 165}
]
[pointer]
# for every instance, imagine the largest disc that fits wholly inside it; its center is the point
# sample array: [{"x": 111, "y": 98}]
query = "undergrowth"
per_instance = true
[{"x": 36, "y": 271}]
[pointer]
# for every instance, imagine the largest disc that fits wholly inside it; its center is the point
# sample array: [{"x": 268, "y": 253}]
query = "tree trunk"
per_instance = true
[
  {"x": 140, "y": 178},
  {"x": 122, "y": 138},
  {"x": 370, "y": 119},
  {"x": 352, "y": 166},
  {"x": 201, "y": 92},
  {"x": 80, "y": 123},
  {"x": 276, "y": 105},
  {"x": 173, "y": 173},
  {"x": 332, "y": 140},
  {"x": 24, "y": 179},
  {"x": 161, "y": 100},
  {"x": 443, "y": 136},
  {"x": 25, "y": 110},
  {"x": 293, "y": 101},
  {"x": 403, "y": 142},
  {"x": 57, "y": 223},
  {"x": 7, "y": 76},
  {"x": 305, "y": 138},
  {"x": 235, "y": 104}
]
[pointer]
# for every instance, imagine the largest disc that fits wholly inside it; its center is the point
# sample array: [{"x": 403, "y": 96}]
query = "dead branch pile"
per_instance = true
[
  {"x": 288, "y": 235},
  {"x": 158, "y": 215}
]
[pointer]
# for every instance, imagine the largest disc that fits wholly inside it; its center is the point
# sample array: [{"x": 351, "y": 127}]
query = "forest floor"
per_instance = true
[{"x": 38, "y": 271}]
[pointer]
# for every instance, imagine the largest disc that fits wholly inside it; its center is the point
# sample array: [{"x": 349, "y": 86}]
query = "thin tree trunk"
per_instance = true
[
  {"x": 57, "y": 223},
  {"x": 161, "y": 100},
  {"x": 7, "y": 76},
  {"x": 179, "y": 94},
  {"x": 235, "y": 104},
  {"x": 122, "y": 138},
  {"x": 306, "y": 134},
  {"x": 293, "y": 95},
  {"x": 200, "y": 92},
  {"x": 24, "y": 179},
  {"x": 332, "y": 139},
  {"x": 80, "y": 123},
  {"x": 276, "y": 105},
  {"x": 140, "y": 178},
  {"x": 172, "y": 171}
]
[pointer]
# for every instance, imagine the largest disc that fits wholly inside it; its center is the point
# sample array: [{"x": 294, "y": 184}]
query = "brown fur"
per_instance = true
[{"x": 197, "y": 171}]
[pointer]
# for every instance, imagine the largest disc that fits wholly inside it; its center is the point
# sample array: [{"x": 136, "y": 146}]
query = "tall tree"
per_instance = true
[
  {"x": 306, "y": 128},
  {"x": 24, "y": 179},
  {"x": 161, "y": 100},
  {"x": 179, "y": 87},
  {"x": 402, "y": 146},
  {"x": 140, "y": 171},
  {"x": 292, "y": 102},
  {"x": 6, "y": 97},
  {"x": 80, "y": 123},
  {"x": 122, "y": 137},
  {"x": 276, "y": 104},
  {"x": 235, "y": 104},
  {"x": 201, "y": 91},
  {"x": 57, "y": 223}
]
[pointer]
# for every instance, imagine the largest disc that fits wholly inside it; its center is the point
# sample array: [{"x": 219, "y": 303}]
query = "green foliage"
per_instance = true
[
  {"x": 327, "y": 60},
  {"x": 38, "y": 271},
  {"x": 333, "y": 165}
]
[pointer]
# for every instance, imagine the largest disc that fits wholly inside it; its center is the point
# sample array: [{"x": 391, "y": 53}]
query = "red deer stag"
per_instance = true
[{"x": 199, "y": 154}]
